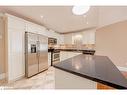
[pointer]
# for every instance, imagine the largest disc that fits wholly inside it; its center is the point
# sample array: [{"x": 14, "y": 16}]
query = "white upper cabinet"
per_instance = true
[
  {"x": 41, "y": 30},
  {"x": 15, "y": 22},
  {"x": 16, "y": 49},
  {"x": 91, "y": 38},
  {"x": 31, "y": 27},
  {"x": 34, "y": 28},
  {"x": 87, "y": 37},
  {"x": 68, "y": 39},
  {"x": 60, "y": 39}
]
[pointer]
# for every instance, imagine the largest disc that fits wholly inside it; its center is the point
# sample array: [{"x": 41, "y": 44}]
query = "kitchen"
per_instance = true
[{"x": 66, "y": 40}]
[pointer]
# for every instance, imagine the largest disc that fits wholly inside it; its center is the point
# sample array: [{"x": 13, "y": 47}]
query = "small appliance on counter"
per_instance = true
[
  {"x": 52, "y": 41},
  {"x": 89, "y": 52}
]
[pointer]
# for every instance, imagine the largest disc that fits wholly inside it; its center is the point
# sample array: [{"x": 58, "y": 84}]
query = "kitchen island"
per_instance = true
[
  {"x": 64, "y": 53},
  {"x": 85, "y": 71}
]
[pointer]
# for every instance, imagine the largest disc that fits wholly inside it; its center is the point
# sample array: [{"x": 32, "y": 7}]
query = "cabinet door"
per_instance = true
[
  {"x": 31, "y": 27},
  {"x": 49, "y": 59},
  {"x": 63, "y": 55},
  {"x": 91, "y": 38},
  {"x": 85, "y": 38},
  {"x": 16, "y": 23},
  {"x": 41, "y": 30},
  {"x": 16, "y": 62},
  {"x": 66, "y": 55},
  {"x": 68, "y": 38},
  {"x": 72, "y": 54}
]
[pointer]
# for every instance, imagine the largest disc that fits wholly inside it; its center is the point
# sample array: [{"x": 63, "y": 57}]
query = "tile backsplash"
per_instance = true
[{"x": 73, "y": 46}]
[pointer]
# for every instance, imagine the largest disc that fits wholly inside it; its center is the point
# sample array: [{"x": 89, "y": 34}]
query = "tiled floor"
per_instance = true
[{"x": 44, "y": 80}]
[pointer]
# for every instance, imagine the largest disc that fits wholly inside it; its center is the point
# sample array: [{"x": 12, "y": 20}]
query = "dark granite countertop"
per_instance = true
[
  {"x": 96, "y": 68},
  {"x": 74, "y": 50}
]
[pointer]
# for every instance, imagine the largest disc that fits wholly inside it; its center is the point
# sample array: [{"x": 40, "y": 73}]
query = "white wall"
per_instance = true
[
  {"x": 111, "y": 14},
  {"x": 111, "y": 41}
]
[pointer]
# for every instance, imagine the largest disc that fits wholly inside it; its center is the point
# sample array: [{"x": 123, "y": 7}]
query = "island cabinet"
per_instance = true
[
  {"x": 103, "y": 87},
  {"x": 68, "y": 54},
  {"x": 66, "y": 80},
  {"x": 88, "y": 72},
  {"x": 49, "y": 59}
]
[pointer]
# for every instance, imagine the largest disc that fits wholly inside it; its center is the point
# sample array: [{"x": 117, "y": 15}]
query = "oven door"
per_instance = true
[{"x": 56, "y": 58}]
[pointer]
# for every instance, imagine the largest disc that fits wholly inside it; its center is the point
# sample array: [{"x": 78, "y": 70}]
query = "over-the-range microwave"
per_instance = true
[{"x": 52, "y": 41}]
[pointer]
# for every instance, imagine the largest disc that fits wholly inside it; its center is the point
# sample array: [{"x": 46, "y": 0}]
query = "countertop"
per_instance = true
[
  {"x": 96, "y": 68},
  {"x": 78, "y": 50}
]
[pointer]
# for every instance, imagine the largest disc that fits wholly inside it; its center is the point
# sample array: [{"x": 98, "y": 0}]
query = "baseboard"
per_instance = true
[
  {"x": 122, "y": 68},
  {"x": 18, "y": 78},
  {"x": 2, "y": 76}
]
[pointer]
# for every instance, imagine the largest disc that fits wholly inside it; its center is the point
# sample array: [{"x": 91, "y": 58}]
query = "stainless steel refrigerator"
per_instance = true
[{"x": 36, "y": 53}]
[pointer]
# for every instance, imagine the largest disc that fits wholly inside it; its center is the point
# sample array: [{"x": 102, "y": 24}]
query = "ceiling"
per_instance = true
[{"x": 57, "y": 18}]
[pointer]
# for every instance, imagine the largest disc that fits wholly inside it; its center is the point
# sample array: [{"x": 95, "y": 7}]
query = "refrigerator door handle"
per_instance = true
[{"x": 38, "y": 48}]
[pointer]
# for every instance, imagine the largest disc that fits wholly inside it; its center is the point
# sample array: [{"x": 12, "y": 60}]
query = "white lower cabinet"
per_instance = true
[
  {"x": 66, "y": 80},
  {"x": 49, "y": 59},
  {"x": 67, "y": 54}
]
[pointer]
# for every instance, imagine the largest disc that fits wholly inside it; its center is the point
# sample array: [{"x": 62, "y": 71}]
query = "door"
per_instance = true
[
  {"x": 31, "y": 54},
  {"x": 43, "y": 52}
]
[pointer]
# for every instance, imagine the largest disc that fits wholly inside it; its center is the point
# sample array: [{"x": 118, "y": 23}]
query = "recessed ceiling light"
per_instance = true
[
  {"x": 80, "y": 10},
  {"x": 42, "y": 16}
]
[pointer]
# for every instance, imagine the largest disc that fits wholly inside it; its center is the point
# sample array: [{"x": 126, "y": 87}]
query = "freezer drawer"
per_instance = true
[
  {"x": 43, "y": 61},
  {"x": 32, "y": 65}
]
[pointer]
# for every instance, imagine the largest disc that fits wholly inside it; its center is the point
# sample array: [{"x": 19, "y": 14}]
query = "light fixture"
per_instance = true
[
  {"x": 42, "y": 16},
  {"x": 80, "y": 10}
]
